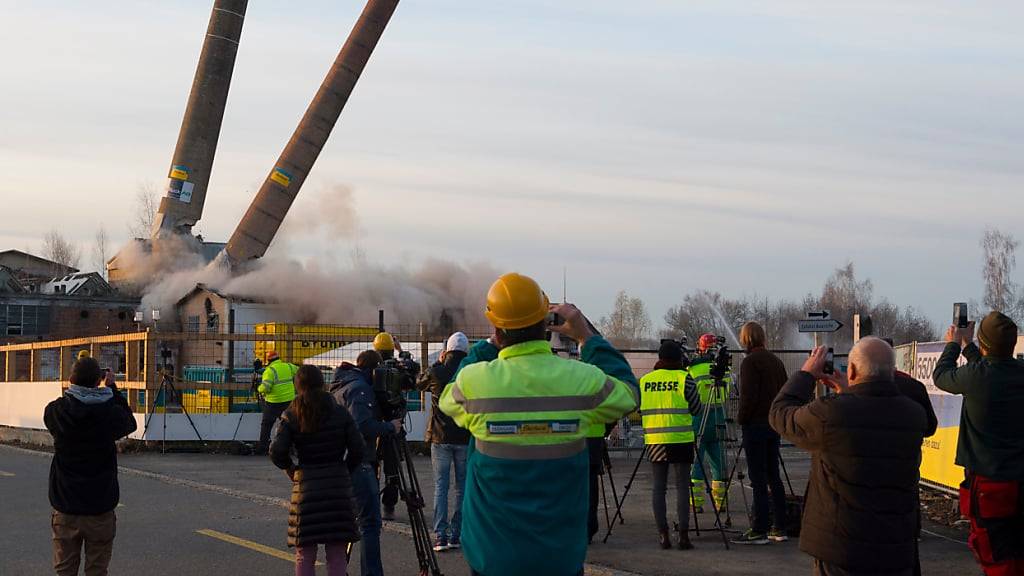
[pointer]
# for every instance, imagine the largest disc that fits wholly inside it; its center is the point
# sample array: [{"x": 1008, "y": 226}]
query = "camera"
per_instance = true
[{"x": 722, "y": 363}]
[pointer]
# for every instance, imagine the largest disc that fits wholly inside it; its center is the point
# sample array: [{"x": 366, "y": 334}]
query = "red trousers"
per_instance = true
[{"x": 996, "y": 511}]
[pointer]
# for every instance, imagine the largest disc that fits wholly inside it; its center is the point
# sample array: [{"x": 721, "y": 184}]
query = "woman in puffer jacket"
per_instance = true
[{"x": 328, "y": 446}]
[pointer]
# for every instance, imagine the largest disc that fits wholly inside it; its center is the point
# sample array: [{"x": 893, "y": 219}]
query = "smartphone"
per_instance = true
[
  {"x": 555, "y": 319},
  {"x": 830, "y": 364},
  {"x": 960, "y": 314}
]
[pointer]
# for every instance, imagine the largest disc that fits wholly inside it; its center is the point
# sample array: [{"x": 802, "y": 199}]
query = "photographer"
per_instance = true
[
  {"x": 448, "y": 443},
  {"x": 991, "y": 444},
  {"x": 352, "y": 389},
  {"x": 85, "y": 422},
  {"x": 762, "y": 375},
  {"x": 391, "y": 380},
  {"x": 713, "y": 384}
]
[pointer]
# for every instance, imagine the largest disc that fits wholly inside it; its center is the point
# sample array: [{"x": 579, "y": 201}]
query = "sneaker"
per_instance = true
[
  {"x": 751, "y": 537},
  {"x": 776, "y": 535},
  {"x": 440, "y": 545},
  {"x": 454, "y": 543}
]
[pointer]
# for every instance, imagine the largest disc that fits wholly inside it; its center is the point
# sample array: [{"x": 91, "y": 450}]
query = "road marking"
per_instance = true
[
  {"x": 6, "y": 474},
  {"x": 247, "y": 544}
]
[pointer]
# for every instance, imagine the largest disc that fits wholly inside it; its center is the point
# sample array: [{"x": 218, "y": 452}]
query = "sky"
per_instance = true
[{"x": 657, "y": 147}]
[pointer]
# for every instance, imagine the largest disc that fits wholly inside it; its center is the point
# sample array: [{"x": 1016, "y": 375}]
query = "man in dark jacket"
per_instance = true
[
  {"x": 352, "y": 388},
  {"x": 85, "y": 422},
  {"x": 860, "y": 508},
  {"x": 991, "y": 443},
  {"x": 448, "y": 443}
]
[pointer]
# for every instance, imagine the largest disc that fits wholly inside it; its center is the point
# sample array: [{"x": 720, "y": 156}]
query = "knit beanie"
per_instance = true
[
  {"x": 998, "y": 335},
  {"x": 670, "y": 350}
]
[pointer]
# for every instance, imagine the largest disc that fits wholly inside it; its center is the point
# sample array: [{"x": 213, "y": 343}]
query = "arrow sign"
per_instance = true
[
  {"x": 815, "y": 325},
  {"x": 823, "y": 314}
]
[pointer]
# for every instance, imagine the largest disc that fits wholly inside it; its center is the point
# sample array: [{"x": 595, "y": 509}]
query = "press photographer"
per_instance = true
[
  {"x": 391, "y": 380},
  {"x": 710, "y": 370}
]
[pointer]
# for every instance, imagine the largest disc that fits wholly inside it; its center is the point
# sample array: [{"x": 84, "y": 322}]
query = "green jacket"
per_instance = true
[
  {"x": 525, "y": 505},
  {"x": 992, "y": 420},
  {"x": 278, "y": 383}
]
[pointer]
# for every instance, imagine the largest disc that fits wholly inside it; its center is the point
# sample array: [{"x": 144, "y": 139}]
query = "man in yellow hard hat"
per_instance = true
[
  {"x": 278, "y": 390},
  {"x": 391, "y": 380},
  {"x": 525, "y": 506}
]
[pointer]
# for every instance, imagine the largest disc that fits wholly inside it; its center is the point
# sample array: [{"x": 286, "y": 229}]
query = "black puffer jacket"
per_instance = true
[
  {"x": 860, "y": 509},
  {"x": 322, "y": 509}
]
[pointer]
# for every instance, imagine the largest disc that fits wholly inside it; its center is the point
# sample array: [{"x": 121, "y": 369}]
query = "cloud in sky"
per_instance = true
[{"x": 654, "y": 147}]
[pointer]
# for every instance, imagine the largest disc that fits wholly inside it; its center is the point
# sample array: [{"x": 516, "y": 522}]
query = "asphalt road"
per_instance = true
[
  {"x": 210, "y": 514},
  {"x": 158, "y": 529}
]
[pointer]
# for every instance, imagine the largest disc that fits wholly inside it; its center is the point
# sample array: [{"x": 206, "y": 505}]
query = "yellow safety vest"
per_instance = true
[
  {"x": 278, "y": 384},
  {"x": 531, "y": 405},
  {"x": 664, "y": 411},
  {"x": 701, "y": 374}
]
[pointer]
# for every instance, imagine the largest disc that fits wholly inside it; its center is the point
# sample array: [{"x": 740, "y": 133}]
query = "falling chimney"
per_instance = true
[
  {"x": 182, "y": 204},
  {"x": 259, "y": 225}
]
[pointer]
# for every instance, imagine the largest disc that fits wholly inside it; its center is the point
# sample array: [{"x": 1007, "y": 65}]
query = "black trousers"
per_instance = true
[
  {"x": 271, "y": 412},
  {"x": 761, "y": 444},
  {"x": 595, "y": 449},
  {"x": 389, "y": 462}
]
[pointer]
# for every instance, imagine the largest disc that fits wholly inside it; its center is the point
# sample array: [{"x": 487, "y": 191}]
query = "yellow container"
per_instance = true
[{"x": 315, "y": 339}]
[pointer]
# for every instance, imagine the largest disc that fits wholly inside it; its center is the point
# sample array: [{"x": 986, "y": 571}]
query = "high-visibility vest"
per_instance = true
[
  {"x": 278, "y": 383},
  {"x": 664, "y": 411},
  {"x": 701, "y": 374},
  {"x": 532, "y": 405}
]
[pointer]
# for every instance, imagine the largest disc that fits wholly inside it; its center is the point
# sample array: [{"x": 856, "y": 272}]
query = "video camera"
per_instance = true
[
  {"x": 391, "y": 380},
  {"x": 722, "y": 363}
]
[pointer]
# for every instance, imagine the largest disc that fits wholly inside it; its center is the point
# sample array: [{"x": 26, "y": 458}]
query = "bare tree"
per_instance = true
[
  {"x": 1000, "y": 257},
  {"x": 147, "y": 201},
  {"x": 100, "y": 248},
  {"x": 629, "y": 325},
  {"x": 58, "y": 249}
]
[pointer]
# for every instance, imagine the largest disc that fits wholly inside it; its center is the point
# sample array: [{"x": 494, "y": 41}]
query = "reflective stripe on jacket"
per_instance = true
[
  {"x": 701, "y": 374},
  {"x": 278, "y": 383},
  {"x": 525, "y": 506},
  {"x": 664, "y": 409}
]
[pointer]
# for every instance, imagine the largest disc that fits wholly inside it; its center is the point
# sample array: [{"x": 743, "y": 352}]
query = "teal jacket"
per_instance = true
[{"x": 501, "y": 494}]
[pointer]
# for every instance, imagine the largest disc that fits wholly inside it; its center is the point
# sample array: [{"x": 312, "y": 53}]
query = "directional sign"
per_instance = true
[
  {"x": 822, "y": 315},
  {"x": 816, "y": 325}
]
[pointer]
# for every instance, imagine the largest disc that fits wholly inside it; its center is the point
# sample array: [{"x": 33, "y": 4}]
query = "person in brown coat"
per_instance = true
[
  {"x": 762, "y": 375},
  {"x": 328, "y": 446},
  {"x": 860, "y": 510}
]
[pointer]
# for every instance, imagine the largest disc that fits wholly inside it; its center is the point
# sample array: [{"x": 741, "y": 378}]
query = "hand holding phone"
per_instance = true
[{"x": 830, "y": 365}]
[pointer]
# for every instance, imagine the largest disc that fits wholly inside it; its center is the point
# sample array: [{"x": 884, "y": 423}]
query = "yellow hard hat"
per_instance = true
[
  {"x": 82, "y": 354},
  {"x": 383, "y": 342},
  {"x": 516, "y": 301}
]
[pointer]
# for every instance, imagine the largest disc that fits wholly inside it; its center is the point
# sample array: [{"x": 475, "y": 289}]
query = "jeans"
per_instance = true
[
  {"x": 367, "y": 489},
  {"x": 442, "y": 457},
  {"x": 71, "y": 532},
  {"x": 305, "y": 559},
  {"x": 761, "y": 444},
  {"x": 271, "y": 412},
  {"x": 660, "y": 487}
]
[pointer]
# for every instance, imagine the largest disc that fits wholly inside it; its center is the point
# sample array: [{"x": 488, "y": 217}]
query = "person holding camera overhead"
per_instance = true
[
  {"x": 668, "y": 401},
  {"x": 762, "y": 375},
  {"x": 711, "y": 424}
]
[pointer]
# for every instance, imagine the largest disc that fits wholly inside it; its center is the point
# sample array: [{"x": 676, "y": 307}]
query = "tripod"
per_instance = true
[
  {"x": 629, "y": 484},
  {"x": 606, "y": 466},
  {"x": 167, "y": 385},
  {"x": 718, "y": 391},
  {"x": 409, "y": 492},
  {"x": 738, "y": 474}
]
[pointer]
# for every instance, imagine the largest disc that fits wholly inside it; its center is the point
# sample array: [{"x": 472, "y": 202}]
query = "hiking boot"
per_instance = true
[
  {"x": 751, "y": 537},
  {"x": 388, "y": 513},
  {"x": 684, "y": 540},
  {"x": 776, "y": 535},
  {"x": 663, "y": 540},
  {"x": 440, "y": 544}
]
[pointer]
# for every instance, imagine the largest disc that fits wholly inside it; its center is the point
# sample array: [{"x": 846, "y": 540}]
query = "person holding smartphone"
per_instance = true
[{"x": 864, "y": 441}]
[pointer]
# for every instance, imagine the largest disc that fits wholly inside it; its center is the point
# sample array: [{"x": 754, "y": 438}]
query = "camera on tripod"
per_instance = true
[
  {"x": 391, "y": 380},
  {"x": 722, "y": 363}
]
